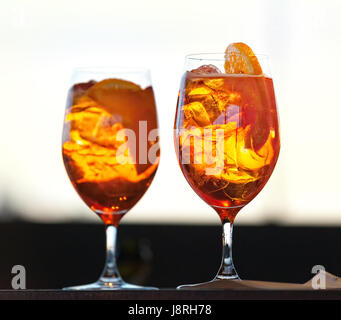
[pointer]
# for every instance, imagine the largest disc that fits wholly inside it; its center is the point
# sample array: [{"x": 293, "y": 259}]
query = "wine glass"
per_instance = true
[
  {"x": 110, "y": 150},
  {"x": 226, "y": 137}
]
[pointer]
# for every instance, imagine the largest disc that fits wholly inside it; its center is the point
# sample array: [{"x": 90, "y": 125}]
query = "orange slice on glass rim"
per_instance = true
[{"x": 240, "y": 59}]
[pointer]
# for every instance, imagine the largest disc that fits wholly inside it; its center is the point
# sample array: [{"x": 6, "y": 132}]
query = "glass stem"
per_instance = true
[
  {"x": 227, "y": 270},
  {"x": 110, "y": 272}
]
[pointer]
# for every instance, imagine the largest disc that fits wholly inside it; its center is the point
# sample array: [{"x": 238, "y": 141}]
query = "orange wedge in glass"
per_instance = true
[
  {"x": 240, "y": 59},
  {"x": 128, "y": 103},
  {"x": 108, "y": 91},
  {"x": 123, "y": 98}
]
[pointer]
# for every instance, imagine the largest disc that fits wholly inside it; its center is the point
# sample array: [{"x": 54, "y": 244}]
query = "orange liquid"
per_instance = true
[
  {"x": 227, "y": 137},
  {"x": 90, "y": 147}
]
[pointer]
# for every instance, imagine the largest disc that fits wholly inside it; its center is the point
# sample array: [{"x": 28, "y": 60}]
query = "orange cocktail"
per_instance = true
[
  {"x": 97, "y": 116},
  {"x": 226, "y": 134}
]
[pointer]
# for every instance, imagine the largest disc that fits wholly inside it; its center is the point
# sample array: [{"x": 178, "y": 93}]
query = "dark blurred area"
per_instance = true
[{"x": 59, "y": 255}]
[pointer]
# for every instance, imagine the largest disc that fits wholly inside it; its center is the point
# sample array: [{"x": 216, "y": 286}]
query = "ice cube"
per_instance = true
[
  {"x": 206, "y": 69},
  {"x": 214, "y": 102},
  {"x": 78, "y": 91},
  {"x": 214, "y": 84},
  {"x": 196, "y": 114}
]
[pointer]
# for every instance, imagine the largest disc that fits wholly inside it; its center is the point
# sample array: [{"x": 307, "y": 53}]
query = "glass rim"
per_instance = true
[{"x": 217, "y": 56}]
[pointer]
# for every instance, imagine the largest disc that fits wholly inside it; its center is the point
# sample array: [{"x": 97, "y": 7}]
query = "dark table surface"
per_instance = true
[
  {"x": 167, "y": 294},
  {"x": 164, "y": 256},
  {"x": 62, "y": 255}
]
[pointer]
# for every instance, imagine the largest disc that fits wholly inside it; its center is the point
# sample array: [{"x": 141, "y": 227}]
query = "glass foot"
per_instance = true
[
  {"x": 230, "y": 277},
  {"x": 102, "y": 285},
  {"x": 209, "y": 284}
]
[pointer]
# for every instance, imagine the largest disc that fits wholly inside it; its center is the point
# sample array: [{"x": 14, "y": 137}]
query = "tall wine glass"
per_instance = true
[
  {"x": 110, "y": 150},
  {"x": 226, "y": 138}
]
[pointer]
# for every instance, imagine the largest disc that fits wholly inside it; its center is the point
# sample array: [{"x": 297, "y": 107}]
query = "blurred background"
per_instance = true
[{"x": 41, "y": 42}]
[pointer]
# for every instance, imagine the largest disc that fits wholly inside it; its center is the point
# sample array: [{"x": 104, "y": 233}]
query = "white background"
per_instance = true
[{"x": 42, "y": 41}]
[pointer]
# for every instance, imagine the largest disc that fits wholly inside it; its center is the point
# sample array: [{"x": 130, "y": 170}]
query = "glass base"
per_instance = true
[
  {"x": 218, "y": 278},
  {"x": 221, "y": 277},
  {"x": 108, "y": 285}
]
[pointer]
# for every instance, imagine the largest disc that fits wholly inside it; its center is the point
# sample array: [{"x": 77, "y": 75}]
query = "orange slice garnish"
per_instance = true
[
  {"x": 239, "y": 58},
  {"x": 103, "y": 90},
  {"x": 116, "y": 96}
]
